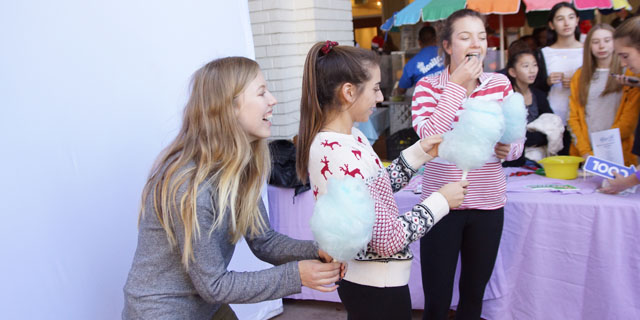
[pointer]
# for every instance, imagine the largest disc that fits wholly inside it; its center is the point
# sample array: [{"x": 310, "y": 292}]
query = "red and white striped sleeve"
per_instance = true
[{"x": 433, "y": 109}]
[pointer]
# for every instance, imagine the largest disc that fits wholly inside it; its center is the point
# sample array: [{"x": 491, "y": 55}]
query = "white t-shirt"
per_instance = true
[
  {"x": 600, "y": 112},
  {"x": 566, "y": 61}
]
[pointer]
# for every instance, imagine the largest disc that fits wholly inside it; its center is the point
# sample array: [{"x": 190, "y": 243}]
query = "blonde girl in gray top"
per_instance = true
[{"x": 203, "y": 195}]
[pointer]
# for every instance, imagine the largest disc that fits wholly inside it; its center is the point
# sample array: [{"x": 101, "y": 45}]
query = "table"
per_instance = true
[{"x": 562, "y": 256}]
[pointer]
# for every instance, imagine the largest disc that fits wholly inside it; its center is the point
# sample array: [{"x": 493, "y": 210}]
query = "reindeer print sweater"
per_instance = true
[{"x": 387, "y": 260}]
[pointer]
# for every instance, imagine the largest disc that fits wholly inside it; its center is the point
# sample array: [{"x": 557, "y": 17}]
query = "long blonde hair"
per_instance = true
[
  {"x": 589, "y": 65},
  {"x": 211, "y": 151}
]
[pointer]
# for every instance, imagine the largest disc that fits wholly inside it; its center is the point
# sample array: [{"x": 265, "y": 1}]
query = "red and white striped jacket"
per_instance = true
[{"x": 436, "y": 105}]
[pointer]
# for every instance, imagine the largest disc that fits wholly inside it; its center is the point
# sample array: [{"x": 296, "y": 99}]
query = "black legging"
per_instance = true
[
  {"x": 475, "y": 234},
  {"x": 371, "y": 303}
]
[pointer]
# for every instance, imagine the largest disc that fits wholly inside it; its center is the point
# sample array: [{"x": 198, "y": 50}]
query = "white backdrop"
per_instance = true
[{"x": 90, "y": 92}]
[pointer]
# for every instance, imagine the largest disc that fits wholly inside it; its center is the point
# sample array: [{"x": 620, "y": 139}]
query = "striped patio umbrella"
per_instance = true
[
  {"x": 537, "y": 10},
  {"x": 619, "y": 4},
  {"x": 499, "y": 7},
  {"x": 593, "y": 4},
  {"x": 494, "y": 7},
  {"x": 434, "y": 10},
  {"x": 546, "y": 5},
  {"x": 541, "y": 5},
  {"x": 441, "y": 9},
  {"x": 411, "y": 14}
]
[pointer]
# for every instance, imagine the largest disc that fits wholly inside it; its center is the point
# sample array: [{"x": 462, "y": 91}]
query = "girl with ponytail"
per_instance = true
[{"x": 340, "y": 86}]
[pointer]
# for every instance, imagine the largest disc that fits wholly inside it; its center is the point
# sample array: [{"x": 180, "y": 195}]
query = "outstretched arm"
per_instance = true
[
  {"x": 276, "y": 248},
  {"x": 216, "y": 284}
]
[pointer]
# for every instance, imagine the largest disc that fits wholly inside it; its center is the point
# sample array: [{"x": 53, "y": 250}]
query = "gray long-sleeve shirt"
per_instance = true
[{"x": 159, "y": 287}]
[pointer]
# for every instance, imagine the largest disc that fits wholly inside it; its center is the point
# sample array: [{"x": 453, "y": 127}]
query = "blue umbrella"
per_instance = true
[
  {"x": 408, "y": 15},
  {"x": 387, "y": 25}
]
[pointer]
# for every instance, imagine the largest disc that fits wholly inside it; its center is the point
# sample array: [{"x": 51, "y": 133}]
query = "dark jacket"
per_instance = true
[{"x": 534, "y": 138}]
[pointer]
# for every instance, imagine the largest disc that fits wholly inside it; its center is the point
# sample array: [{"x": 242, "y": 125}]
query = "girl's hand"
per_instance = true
[
  {"x": 319, "y": 276},
  {"x": 324, "y": 256},
  {"x": 566, "y": 80},
  {"x": 502, "y": 150},
  {"x": 470, "y": 69},
  {"x": 620, "y": 183},
  {"x": 454, "y": 192},
  {"x": 430, "y": 144},
  {"x": 343, "y": 270},
  {"x": 554, "y": 77},
  {"x": 627, "y": 80}
]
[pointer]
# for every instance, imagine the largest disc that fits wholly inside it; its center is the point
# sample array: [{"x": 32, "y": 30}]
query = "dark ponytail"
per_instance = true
[{"x": 327, "y": 67}]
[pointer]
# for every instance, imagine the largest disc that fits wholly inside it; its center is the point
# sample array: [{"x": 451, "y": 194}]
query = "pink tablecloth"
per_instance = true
[{"x": 562, "y": 256}]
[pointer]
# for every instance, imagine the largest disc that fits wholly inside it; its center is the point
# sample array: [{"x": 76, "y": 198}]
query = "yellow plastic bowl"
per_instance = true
[{"x": 561, "y": 167}]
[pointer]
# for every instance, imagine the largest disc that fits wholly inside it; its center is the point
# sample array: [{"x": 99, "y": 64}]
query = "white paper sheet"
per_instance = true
[{"x": 606, "y": 145}]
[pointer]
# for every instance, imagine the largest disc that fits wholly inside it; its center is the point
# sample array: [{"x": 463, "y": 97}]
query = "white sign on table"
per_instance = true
[{"x": 606, "y": 169}]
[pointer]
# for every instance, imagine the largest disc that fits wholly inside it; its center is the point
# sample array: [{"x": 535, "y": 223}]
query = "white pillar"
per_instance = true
[{"x": 283, "y": 33}]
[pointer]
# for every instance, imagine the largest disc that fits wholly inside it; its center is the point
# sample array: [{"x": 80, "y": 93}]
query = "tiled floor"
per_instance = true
[{"x": 317, "y": 310}]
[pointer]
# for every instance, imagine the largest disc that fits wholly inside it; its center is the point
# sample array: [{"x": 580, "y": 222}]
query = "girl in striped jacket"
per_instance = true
[{"x": 475, "y": 229}]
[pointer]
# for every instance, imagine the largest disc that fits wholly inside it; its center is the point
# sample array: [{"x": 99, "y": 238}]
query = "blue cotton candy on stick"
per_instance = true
[
  {"x": 343, "y": 218},
  {"x": 515, "y": 118},
  {"x": 470, "y": 144}
]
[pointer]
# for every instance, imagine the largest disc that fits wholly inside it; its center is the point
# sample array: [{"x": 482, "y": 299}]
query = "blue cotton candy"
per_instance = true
[
  {"x": 470, "y": 144},
  {"x": 343, "y": 218},
  {"x": 515, "y": 118}
]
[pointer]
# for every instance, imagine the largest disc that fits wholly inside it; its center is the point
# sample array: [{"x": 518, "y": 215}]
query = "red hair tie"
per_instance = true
[{"x": 328, "y": 46}]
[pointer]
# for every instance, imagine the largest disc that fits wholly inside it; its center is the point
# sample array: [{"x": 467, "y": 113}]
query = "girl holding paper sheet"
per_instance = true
[
  {"x": 475, "y": 229},
  {"x": 598, "y": 102}
]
